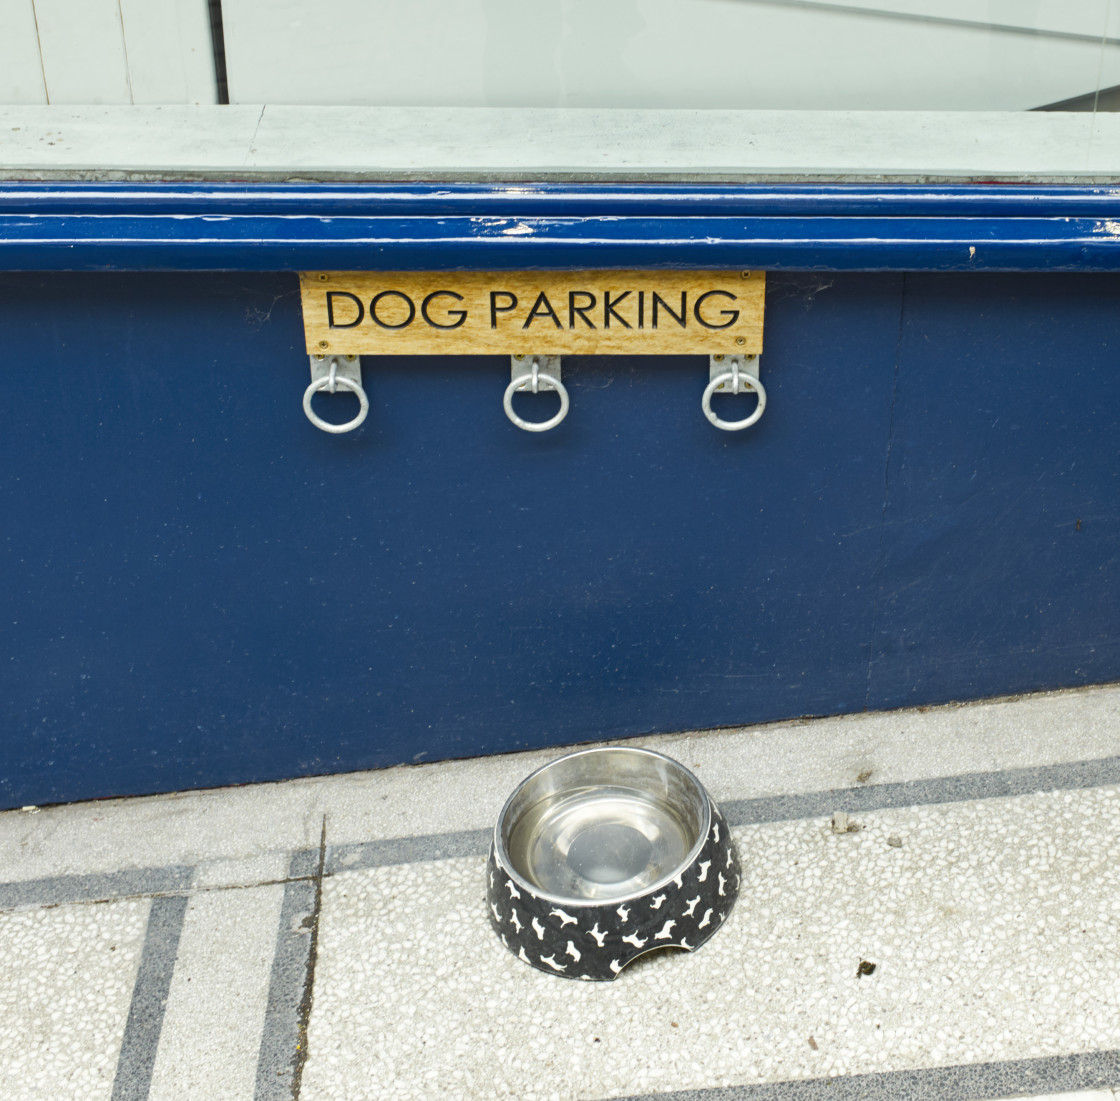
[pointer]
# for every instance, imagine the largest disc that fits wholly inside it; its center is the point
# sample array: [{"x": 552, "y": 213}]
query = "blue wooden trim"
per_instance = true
[
  {"x": 573, "y": 200},
  {"x": 280, "y": 227}
]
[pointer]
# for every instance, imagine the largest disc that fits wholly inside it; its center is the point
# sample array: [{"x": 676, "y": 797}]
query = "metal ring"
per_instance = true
[
  {"x": 735, "y": 376},
  {"x": 330, "y": 382},
  {"x": 534, "y": 379}
]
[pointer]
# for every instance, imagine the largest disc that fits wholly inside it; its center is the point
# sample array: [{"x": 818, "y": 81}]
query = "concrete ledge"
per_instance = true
[{"x": 281, "y": 142}]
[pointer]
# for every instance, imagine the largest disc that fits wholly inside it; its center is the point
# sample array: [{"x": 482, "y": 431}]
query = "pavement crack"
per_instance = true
[{"x": 307, "y": 999}]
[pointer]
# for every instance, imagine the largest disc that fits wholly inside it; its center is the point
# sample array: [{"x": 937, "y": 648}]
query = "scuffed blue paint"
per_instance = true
[{"x": 269, "y": 227}]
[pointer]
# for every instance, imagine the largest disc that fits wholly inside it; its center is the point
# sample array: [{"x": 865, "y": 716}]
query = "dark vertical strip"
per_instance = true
[
  {"x": 288, "y": 1011},
  {"x": 880, "y": 562},
  {"x": 308, "y": 995},
  {"x": 276, "y": 1064},
  {"x": 149, "y": 999},
  {"x": 218, "y": 45}
]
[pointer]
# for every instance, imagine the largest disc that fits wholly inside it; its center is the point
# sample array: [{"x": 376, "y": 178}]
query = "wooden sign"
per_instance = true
[{"x": 541, "y": 313}]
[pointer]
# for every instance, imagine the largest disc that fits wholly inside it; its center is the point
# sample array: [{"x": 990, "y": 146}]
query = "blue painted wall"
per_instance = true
[
  {"x": 200, "y": 588},
  {"x": 1001, "y": 534}
]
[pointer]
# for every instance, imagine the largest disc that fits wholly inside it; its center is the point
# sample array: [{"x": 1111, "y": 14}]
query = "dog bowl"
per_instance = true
[{"x": 605, "y": 854}]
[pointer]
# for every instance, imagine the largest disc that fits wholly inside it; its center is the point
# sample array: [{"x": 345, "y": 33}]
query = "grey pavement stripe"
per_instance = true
[
  {"x": 772, "y": 808},
  {"x": 444, "y": 846},
  {"x": 972, "y": 1082},
  {"x": 54, "y": 890},
  {"x": 914, "y": 793},
  {"x": 149, "y": 999},
  {"x": 407, "y": 850},
  {"x": 304, "y": 864},
  {"x": 280, "y": 1054}
]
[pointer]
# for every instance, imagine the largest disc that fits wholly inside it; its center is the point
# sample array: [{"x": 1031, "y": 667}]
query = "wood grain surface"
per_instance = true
[{"x": 540, "y": 313}]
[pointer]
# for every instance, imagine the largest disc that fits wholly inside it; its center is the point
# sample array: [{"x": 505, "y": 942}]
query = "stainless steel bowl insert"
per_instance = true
[{"x": 602, "y": 825}]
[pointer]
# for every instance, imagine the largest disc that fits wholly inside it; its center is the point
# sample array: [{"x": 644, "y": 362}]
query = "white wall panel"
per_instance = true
[
  {"x": 651, "y": 53},
  {"x": 82, "y": 44},
  {"x": 170, "y": 58},
  {"x": 21, "y": 70}
]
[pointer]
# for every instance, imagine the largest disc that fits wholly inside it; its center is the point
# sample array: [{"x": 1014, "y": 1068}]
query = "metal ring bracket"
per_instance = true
[
  {"x": 535, "y": 381},
  {"x": 327, "y": 374},
  {"x": 742, "y": 382}
]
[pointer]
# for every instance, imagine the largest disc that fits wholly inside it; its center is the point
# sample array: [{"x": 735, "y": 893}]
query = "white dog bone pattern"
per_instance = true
[{"x": 598, "y": 941}]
